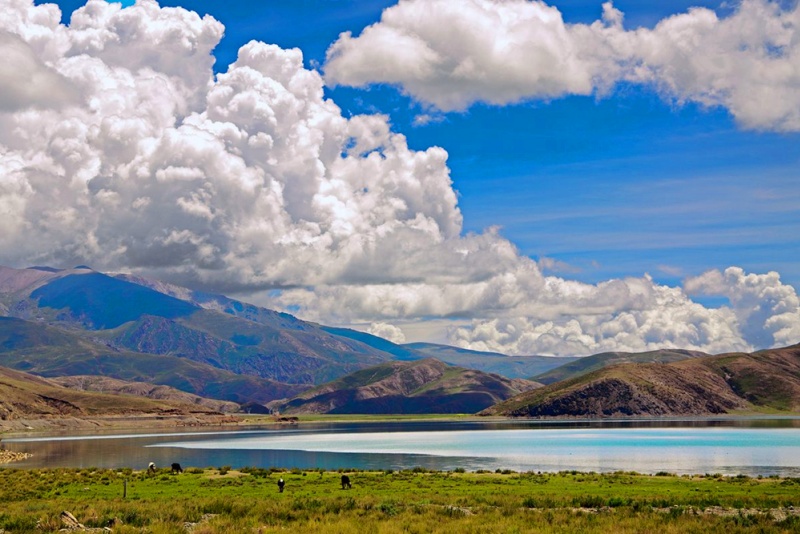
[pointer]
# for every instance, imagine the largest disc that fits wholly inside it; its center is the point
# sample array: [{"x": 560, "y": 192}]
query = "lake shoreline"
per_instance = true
[{"x": 26, "y": 426}]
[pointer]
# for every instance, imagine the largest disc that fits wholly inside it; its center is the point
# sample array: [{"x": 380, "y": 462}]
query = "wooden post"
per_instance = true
[{"x": 125, "y": 488}]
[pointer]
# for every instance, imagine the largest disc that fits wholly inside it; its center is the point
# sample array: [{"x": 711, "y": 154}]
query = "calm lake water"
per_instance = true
[{"x": 741, "y": 446}]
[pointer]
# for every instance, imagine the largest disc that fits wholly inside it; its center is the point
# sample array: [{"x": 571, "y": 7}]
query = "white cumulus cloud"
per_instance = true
[
  {"x": 387, "y": 331},
  {"x": 252, "y": 180},
  {"x": 767, "y": 309},
  {"x": 452, "y": 54}
]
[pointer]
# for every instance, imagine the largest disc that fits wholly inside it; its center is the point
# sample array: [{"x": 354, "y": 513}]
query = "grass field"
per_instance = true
[{"x": 223, "y": 500}]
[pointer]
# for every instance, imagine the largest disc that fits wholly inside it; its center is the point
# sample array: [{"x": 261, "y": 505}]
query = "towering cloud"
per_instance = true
[
  {"x": 136, "y": 157},
  {"x": 451, "y": 55},
  {"x": 768, "y": 310}
]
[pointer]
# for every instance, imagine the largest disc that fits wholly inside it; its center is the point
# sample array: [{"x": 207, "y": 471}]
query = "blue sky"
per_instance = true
[
  {"x": 614, "y": 186},
  {"x": 623, "y": 177}
]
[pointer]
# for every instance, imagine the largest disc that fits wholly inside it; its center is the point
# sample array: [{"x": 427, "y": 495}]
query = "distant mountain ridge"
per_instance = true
[
  {"x": 227, "y": 334},
  {"x": 491, "y": 362},
  {"x": 423, "y": 386},
  {"x": 767, "y": 380}
]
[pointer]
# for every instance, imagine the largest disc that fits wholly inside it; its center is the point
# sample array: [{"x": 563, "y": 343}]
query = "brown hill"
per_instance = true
[
  {"x": 767, "y": 380},
  {"x": 26, "y": 396},
  {"x": 595, "y": 362},
  {"x": 424, "y": 386},
  {"x": 104, "y": 384}
]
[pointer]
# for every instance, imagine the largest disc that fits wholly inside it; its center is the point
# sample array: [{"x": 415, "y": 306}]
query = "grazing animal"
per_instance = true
[
  {"x": 151, "y": 468},
  {"x": 346, "y": 482},
  {"x": 281, "y": 484},
  {"x": 176, "y": 468}
]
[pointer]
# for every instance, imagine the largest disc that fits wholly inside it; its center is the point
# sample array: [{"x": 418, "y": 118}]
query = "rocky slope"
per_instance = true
[
  {"x": 762, "y": 381},
  {"x": 426, "y": 386}
]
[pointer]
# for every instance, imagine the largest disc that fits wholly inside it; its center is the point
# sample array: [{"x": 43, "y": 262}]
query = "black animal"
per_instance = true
[
  {"x": 346, "y": 482},
  {"x": 281, "y": 484},
  {"x": 176, "y": 468}
]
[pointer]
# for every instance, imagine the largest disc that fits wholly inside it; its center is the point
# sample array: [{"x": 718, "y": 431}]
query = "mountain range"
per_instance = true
[
  {"x": 81, "y": 322},
  {"x": 102, "y": 328}
]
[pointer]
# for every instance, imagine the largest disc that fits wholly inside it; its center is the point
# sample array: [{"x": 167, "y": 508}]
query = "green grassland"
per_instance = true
[{"x": 223, "y": 500}]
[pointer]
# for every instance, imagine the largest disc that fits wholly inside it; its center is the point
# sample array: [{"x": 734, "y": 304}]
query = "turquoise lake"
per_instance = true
[{"x": 742, "y": 446}]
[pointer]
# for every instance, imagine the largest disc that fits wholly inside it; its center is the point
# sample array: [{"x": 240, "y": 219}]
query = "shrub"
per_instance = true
[
  {"x": 257, "y": 472},
  {"x": 389, "y": 508},
  {"x": 589, "y": 501},
  {"x": 614, "y": 502}
]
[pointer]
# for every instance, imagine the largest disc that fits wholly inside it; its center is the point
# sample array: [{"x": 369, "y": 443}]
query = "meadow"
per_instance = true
[{"x": 224, "y": 500}]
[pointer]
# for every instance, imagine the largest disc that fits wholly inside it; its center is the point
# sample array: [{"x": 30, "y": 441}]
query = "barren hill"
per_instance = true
[
  {"x": 594, "y": 362},
  {"x": 24, "y": 396},
  {"x": 762, "y": 381},
  {"x": 112, "y": 386}
]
